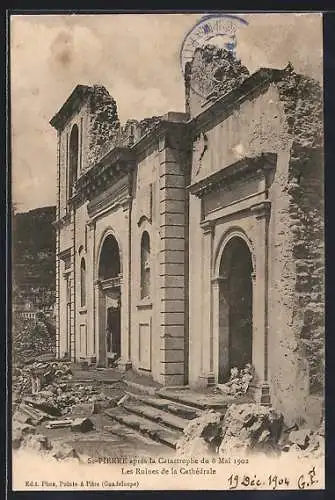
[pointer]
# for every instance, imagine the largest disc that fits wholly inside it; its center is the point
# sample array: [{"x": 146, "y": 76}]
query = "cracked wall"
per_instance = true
[
  {"x": 104, "y": 124},
  {"x": 213, "y": 72},
  {"x": 303, "y": 219}
]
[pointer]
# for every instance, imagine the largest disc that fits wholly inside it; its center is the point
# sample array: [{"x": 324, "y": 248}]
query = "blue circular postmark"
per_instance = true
[{"x": 213, "y": 29}]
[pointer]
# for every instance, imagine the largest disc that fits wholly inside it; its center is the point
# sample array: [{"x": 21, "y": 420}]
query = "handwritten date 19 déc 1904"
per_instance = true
[{"x": 272, "y": 481}]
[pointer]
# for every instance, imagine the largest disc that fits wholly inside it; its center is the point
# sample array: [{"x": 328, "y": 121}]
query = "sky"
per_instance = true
[{"x": 137, "y": 58}]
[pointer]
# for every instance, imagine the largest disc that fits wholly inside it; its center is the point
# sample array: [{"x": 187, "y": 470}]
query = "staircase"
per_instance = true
[{"x": 159, "y": 414}]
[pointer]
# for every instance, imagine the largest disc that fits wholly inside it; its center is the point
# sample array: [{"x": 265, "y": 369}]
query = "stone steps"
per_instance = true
[
  {"x": 152, "y": 415},
  {"x": 196, "y": 400},
  {"x": 159, "y": 416},
  {"x": 137, "y": 388},
  {"x": 162, "y": 414},
  {"x": 181, "y": 410},
  {"x": 129, "y": 434},
  {"x": 146, "y": 427}
]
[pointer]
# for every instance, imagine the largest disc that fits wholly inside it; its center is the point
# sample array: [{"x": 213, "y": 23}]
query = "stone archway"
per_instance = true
[
  {"x": 109, "y": 275},
  {"x": 235, "y": 307}
]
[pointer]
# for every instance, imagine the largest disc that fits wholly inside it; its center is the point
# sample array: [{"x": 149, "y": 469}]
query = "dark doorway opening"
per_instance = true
[
  {"x": 113, "y": 332},
  {"x": 235, "y": 343},
  {"x": 110, "y": 300}
]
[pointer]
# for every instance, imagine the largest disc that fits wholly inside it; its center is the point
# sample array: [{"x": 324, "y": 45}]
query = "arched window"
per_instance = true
[
  {"x": 73, "y": 158},
  {"x": 82, "y": 283},
  {"x": 109, "y": 264},
  {"x": 145, "y": 266}
]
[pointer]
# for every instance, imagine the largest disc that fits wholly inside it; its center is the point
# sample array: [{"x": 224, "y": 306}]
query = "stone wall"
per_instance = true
[
  {"x": 145, "y": 311},
  {"x": 104, "y": 124},
  {"x": 303, "y": 219}
]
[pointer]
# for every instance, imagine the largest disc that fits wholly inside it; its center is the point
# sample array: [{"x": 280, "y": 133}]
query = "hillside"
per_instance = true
[{"x": 34, "y": 245}]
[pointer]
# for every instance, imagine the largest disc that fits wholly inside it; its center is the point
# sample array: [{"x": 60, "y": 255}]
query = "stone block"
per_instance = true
[
  {"x": 173, "y": 306},
  {"x": 172, "y": 269},
  {"x": 172, "y": 368},
  {"x": 177, "y": 293},
  {"x": 172, "y": 331},
  {"x": 172, "y": 256},
  {"x": 168, "y": 155},
  {"x": 172, "y": 181},
  {"x": 169, "y": 379},
  {"x": 172, "y": 318},
  {"x": 172, "y": 206},
  {"x": 168, "y": 219},
  {"x": 172, "y": 281},
  {"x": 173, "y": 342},
  {"x": 170, "y": 167},
  {"x": 172, "y": 232},
  {"x": 172, "y": 194},
  {"x": 173, "y": 244},
  {"x": 82, "y": 425},
  {"x": 172, "y": 355}
]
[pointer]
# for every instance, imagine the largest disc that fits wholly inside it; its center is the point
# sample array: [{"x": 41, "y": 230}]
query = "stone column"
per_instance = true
[
  {"x": 260, "y": 302},
  {"x": 172, "y": 265},
  {"x": 58, "y": 229},
  {"x": 90, "y": 266},
  {"x": 99, "y": 322},
  {"x": 58, "y": 299},
  {"x": 216, "y": 326},
  {"x": 207, "y": 374},
  {"x": 220, "y": 327},
  {"x": 73, "y": 334},
  {"x": 125, "y": 362}
]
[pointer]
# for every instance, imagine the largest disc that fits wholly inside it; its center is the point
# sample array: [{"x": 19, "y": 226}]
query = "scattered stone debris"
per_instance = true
[
  {"x": 23, "y": 439},
  {"x": 32, "y": 338},
  {"x": 29, "y": 379},
  {"x": 249, "y": 428},
  {"x": 37, "y": 442},
  {"x": 62, "y": 451},
  {"x": 83, "y": 424},
  {"x": 202, "y": 435},
  {"x": 19, "y": 432},
  {"x": 304, "y": 442},
  {"x": 244, "y": 428},
  {"x": 59, "y": 424},
  {"x": 56, "y": 398},
  {"x": 239, "y": 381}
]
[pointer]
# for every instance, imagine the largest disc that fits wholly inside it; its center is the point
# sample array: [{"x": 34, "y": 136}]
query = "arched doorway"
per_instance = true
[
  {"x": 235, "y": 307},
  {"x": 110, "y": 300}
]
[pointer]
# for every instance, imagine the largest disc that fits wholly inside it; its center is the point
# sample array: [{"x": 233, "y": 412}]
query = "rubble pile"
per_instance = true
[
  {"x": 45, "y": 392},
  {"x": 25, "y": 437},
  {"x": 202, "y": 435},
  {"x": 303, "y": 442},
  {"x": 31, "y": 339},
  {"x": 248, "y": 429},
  {"x": 31, "y": 378},
  {"x": 239, "y": 381}
]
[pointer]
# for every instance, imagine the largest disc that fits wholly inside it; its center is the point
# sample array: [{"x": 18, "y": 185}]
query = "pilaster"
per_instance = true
[
  {"x": 220, "y": 328},
  {"x": 207, "y": 369},
  {"x": 261, "y": 212},
  {"x": 172, "y": 265}
]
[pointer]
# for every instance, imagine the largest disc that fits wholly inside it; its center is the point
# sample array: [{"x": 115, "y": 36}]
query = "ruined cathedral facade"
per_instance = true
[{"x": 191, "y": 243}]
